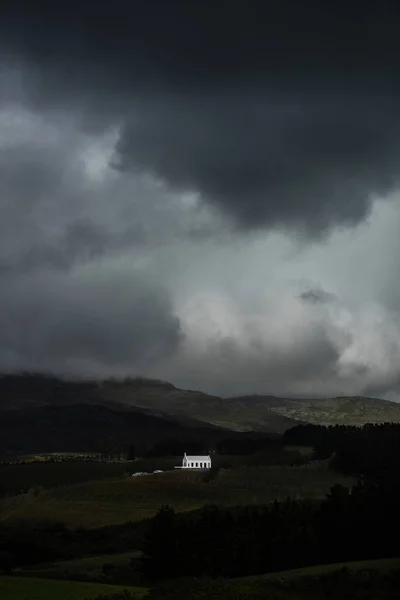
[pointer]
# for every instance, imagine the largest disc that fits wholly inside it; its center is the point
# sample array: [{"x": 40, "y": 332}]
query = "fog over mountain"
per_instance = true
[{"x": 202, "y": 193}]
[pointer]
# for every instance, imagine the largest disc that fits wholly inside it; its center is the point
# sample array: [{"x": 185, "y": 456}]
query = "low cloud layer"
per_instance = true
[
  {"x": 87, "y": 324},
  {"x": 214, "y": 205}
]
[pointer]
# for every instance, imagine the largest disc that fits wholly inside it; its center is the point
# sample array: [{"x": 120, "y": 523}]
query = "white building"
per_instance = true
[{"x": 196, "y": 462}]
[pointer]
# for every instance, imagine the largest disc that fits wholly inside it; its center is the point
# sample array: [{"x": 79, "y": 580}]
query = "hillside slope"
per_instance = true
[
  {"x": 91, "y": 428},
  {"x": 191, "y": 408},
  {"x": 157, "y": 398},
  {"x": 346, "y": 410},
  {"x": 214, "y": 410}
]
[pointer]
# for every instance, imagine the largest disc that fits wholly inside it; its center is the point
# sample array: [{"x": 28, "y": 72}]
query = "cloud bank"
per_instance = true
[{"x": 207, "y": 197}]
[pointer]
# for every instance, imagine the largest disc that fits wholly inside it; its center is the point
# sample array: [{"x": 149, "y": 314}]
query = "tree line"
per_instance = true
[
  {"x": 243, "y": 444},
  {"x": 357, "y": 524},
  {"x": 371, "y": 451}
]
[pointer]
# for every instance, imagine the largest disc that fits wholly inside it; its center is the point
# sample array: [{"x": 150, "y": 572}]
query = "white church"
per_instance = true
[{"x": 196, "y": 462}]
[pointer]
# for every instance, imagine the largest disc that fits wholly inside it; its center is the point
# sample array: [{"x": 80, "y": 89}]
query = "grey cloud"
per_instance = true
[
  {"x": 306, "y": 163},
  {"x": 42, "y": 197},
  {"x": 67, "y": 304},
  {"x": 80, "y": 243},
  {"x": 91, "y": 322},
  {"x": 317, "y": 296},
  {"x": 280, "y": 120},
  {"x": 283, "y": 121},
  {"x": 53, "y": 216},
  {"x": 179, "y": 40},
  {"x": 307, "y": 364}
]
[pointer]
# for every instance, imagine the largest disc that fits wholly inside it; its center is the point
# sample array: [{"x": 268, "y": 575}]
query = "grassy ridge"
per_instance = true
[
  {"x": 79, "y": 565},
  {"x": 366, "y": 580},
  {"x": 91, "y": 565},
  {"x": 158, "y": 399},
  {"x": 22, "y": 588},
  {"x": 381, "y": 564},
  {"x": 109, "y": 502},
  {"x": 197, "y": 405},
  {"x": 345, "y": 410},
  {"x": 46, "y": 399}
]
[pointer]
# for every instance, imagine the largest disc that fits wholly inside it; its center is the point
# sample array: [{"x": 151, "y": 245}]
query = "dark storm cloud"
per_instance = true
[
  {"x": 92, "y": 321},
  {"x": 43, "y": 195},
  {"x": 285, "y": 115},
  {"x": 53, "y": 215},
  {"x": 291, "y": 362},
  {"x": 82, "y": 241},
  {"x": 317, "y": 296},
  {"x": 67, "y": 304},
  {"x": 304, "y": 162},
  {"x": 30, "y": 174},
  {"x": 302, "y": 360}
]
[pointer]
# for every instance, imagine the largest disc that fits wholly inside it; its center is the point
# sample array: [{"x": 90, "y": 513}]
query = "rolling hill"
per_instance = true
[
  {"x": 345, "y": 410},
  {"x": 182, "y": 404},
  {"x": 154, "y": 398},
  {"x": 19, "y": 588},
  {"x": 50, "y": 409},
  {"x": 92, "y": 428}
]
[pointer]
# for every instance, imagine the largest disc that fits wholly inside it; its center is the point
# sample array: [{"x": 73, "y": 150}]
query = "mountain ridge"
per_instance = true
[
  {"x": 258, "y": 413},
  {"x": 19, "y": 392},
  {"x": 339, "y": 410}
]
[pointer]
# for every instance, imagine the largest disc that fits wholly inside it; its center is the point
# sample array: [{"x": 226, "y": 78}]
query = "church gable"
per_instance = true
[{"x": 196, "y": 462}]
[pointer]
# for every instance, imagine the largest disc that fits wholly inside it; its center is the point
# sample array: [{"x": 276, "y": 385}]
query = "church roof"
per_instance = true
[{"x": 197, "y": 458}]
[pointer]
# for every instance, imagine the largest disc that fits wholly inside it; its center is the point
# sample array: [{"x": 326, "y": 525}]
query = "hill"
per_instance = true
[
  {"x": 377, "y": 564},
  {"x": 366, "y": 580},
  {"x": 92, "y": 428},
  {"x": 152, "y": 397},
  {"x": 115, "y": 501},
  {"x": 147, "y": 399},
  {"x": 345, "y": 410},
  {"x": 20, "y": 588},
  {"x": 164, "y": 397}
]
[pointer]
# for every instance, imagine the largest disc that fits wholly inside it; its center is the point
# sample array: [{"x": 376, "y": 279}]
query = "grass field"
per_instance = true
[
  {"x": 304, "y": 450},
  {"x": 346, "y": 410},
  {"x": 367, "y": 580},
  {"x": 43, "y": 457},
  {"x": 98, "y": 503},
  {"x": 23, "y": 588},
  {"x": 19, "y": 478},
  {"x": 89, "y": 566},
  {"x": 381, "y": 564}
]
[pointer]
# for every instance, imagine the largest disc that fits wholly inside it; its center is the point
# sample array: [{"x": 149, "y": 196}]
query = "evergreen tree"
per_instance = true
[
  {"x": 160, "y": 548},
  {"x": 131, "y": 452}
]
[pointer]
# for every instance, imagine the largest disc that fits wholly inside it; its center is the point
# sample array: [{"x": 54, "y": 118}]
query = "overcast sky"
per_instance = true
[{"x": 202, "y": 192}]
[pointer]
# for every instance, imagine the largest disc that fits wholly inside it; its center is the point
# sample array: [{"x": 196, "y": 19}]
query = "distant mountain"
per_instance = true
[
  {"x": 186, "y": 408},
  {"x": 344, "y": 410},
  {"x": 166, "y": 398},
  {"x": 155, "y": 398},
  {"x": 39, "y": 413}
]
